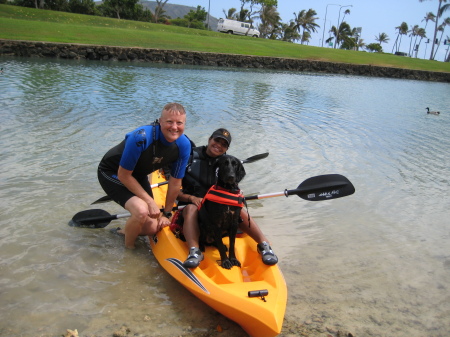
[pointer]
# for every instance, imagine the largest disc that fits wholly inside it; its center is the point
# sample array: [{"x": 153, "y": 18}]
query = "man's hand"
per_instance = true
[{"x": 153, "y": 209}]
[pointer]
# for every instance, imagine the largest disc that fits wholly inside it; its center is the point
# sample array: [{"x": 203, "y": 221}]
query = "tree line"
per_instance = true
[
  {"x": 418, "y": 34},
  {"x": 263, "y": 15},
  {"x": 119, "y": 9},
  {"x": 342, "y": 36}
]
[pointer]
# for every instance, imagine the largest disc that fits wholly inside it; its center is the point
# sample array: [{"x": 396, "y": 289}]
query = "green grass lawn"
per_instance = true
[{"x": 20, "y": 23}]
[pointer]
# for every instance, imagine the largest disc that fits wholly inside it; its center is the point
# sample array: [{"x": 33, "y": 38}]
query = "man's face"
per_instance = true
[{"x": 172, "y": 125}]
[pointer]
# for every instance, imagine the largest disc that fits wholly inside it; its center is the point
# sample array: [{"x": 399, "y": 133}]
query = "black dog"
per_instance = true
[{"x": 221, "y": 209}]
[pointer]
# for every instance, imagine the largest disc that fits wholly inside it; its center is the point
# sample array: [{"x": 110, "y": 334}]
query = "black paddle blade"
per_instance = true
[
  {"x": 255, "y": 158},
  {"x": 325, "y": 187},
  {"x": 91, "y": 218},
  {"x": 107, "y": 198},
  {"x": 103, "y": 199}
]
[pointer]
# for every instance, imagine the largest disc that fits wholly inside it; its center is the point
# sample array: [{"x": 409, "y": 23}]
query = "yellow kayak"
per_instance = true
[{"x": 254, "y": 295}]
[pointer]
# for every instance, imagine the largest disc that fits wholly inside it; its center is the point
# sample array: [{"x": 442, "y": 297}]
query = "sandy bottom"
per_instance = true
[{"x": 166, "y": 308}]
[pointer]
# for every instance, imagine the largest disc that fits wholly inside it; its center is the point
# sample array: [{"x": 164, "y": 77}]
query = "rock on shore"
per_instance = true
[{"x": 111, "y": 53}]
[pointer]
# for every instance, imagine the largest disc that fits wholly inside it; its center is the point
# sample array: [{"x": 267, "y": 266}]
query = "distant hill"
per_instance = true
[{"x": 178, "y": 11}]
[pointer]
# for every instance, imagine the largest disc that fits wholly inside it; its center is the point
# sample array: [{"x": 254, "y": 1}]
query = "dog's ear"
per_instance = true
[
  {"x": 216, "y": 163},
  {"x": 240, "y": 171}
]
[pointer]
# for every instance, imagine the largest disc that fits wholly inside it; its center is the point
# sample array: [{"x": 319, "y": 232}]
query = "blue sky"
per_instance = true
[{"x": 374, "y": 17}]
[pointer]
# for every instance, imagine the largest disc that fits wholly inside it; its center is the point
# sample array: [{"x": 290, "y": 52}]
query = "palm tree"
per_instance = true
[
  {"x": 270, "y": 21},
  {"x": 441, "y": 28},
  {"x": 231, "y": 14},
  {"x": 447, "y": 55},
  {"x": 340, "y": 34},
  {"x": 288, "y": 32},
  {"x": 422, "y": 34},
  {"x": 402, "y": 30},
  {"x": 349, "y": 43},
  {"x": 444, "y": 9},
  {"x": 382, "y": 38},
  {"x": 360, "y": 44},
  {"x": 428, "y": 17},
  {"x": 347, "y": 11},
  {"x": 248, "y": 14},
  {"x": 306, "y": 20},
  {"x": 440, "y": 11},
  {"x": 414, "y": 32},
  {"x": 306, "y": 36},
  {"x": 355, "y": 40},
  {"x": 242, "y": 15},
  {"x": 374, "y": 48}
]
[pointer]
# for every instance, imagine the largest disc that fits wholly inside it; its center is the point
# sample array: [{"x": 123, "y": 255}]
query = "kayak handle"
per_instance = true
[{"x": 259, "y": 293}]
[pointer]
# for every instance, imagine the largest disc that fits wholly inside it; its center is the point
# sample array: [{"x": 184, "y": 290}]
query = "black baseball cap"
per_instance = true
[{"x": 222, "y": 133}]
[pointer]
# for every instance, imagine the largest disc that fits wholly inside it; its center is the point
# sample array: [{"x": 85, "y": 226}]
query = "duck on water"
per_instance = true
[{"x": 432, "y": 112}]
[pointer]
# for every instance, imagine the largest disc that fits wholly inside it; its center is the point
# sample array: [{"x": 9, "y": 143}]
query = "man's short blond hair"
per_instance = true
[{"x": 174, "y": 107}]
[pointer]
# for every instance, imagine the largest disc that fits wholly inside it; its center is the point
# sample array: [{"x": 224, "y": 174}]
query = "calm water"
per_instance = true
[{"x": 376, "y": 263}]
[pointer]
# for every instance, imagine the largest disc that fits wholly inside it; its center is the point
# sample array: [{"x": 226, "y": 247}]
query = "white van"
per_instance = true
[{"x": 236, "y": 27}]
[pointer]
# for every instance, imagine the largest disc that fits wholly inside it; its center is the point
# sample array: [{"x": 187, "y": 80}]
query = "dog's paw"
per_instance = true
[
  {"x": 235, "y": 262},
  {"x": 226, "y": 264}
]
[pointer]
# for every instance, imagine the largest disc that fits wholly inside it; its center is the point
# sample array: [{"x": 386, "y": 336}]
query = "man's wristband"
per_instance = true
[{"x": 168, "y": 215}]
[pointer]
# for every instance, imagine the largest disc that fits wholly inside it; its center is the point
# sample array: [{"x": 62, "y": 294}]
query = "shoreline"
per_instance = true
[{"x": 19, "y": 48}]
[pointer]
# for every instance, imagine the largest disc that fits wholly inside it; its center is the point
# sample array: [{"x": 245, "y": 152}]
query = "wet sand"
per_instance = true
[{"x": 214, "y": 324}]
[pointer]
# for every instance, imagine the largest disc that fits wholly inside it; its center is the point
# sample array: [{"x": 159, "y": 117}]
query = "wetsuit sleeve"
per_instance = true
[
  {"x": 135, "y": 143},
  {"x": 178, "y": 168}
]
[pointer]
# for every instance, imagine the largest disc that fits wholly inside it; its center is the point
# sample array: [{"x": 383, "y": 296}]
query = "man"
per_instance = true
[
  {"x": 199, "y": 177},
  {"x": 123, "y": 171}
]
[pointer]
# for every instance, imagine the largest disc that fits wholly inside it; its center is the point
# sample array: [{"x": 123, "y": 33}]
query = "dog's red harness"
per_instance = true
[{"x": 222, "y": 196}]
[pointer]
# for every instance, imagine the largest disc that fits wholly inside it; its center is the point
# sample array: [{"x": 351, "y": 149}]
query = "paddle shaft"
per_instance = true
[
  {"x": 100, "y": 221},
  {"x": 318, "y": 191},
  {"x": 251, "y": 159},
  {"x": 107, "y": 198},
  {"x": 317, "y": 188}
]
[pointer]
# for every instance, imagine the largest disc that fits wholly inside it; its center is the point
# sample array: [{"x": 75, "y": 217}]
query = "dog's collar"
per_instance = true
[
  {"x": 234, "y": 190},
  {"x": 223, "y": 196}
]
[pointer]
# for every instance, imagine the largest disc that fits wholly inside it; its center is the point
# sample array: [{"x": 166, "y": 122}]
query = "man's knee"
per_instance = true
[
  {"x": 138, "y": 209},
  {"x": 141, "y": 216}
]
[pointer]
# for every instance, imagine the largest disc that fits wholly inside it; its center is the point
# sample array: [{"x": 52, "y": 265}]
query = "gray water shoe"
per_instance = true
[
  {"x": 194, "y": 258},
  {"x": 268, "y": 256}
]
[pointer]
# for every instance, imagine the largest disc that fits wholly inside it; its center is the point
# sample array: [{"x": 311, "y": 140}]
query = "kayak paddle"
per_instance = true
[
  {"x": 324, "y": 187},
  {"x": 98, "y": 218},
  {"x": 251, "y": 159},
  {"x": 94, "y": 218}
]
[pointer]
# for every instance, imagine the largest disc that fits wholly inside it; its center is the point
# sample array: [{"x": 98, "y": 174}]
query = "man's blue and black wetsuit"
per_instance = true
[{"x": 143, "y": 151}]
